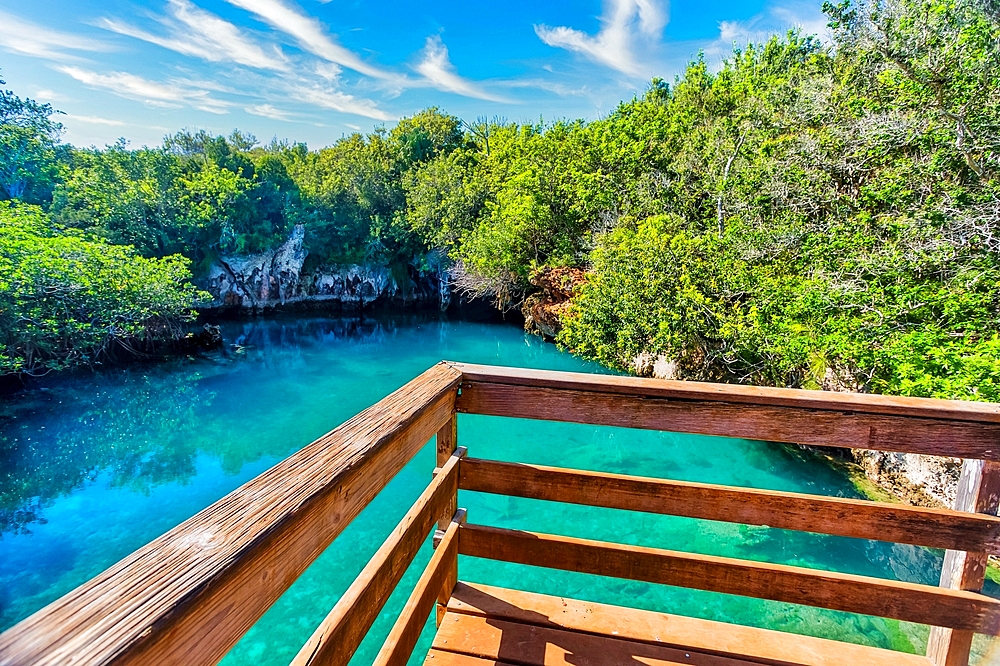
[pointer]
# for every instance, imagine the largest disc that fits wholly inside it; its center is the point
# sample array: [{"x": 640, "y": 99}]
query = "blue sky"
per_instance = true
[{"x": 309, "y": 70}]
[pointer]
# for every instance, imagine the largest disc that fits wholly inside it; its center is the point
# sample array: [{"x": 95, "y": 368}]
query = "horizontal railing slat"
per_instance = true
[
  {"x": 839, "y": 516},
  {"x": 797, "y": 425},
  {"x": 860, "y": 403},
  {"x": 189, "y": 595},
  {"x": 909, "y": 602}
]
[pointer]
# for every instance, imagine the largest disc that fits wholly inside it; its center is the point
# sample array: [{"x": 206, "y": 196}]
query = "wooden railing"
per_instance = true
[{"x": 187, "y": 597}]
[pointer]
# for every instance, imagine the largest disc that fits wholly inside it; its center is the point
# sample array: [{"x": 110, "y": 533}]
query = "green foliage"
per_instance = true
[
  {"x": 805, "y": 215},
  {"x": 27, "y": 147},
  {"x": 833, "y": 213},
  {"x": 66, "y": 300}
]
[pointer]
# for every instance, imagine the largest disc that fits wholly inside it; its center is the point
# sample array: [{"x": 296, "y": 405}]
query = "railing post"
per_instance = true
[
  {"x": 447, "y": 442},
  {"x": 978, "y": 492}
]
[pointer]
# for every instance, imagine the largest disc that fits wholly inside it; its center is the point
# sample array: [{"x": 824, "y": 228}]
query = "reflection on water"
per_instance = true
[{"x": 93, "y": 467}]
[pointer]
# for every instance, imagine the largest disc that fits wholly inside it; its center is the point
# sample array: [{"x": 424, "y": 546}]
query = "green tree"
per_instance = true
[
  {"x": 67, "y": 300},
  {"x": 28, "y": 136}
]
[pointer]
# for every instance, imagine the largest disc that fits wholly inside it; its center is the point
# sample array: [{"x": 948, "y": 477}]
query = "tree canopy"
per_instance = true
[{"x": 806, "y": 214}]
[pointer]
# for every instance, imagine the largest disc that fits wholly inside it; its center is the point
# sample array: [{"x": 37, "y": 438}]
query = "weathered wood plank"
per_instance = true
[
  {"x": 860, "y": 403},
  {"x": 337, "y": 638},
  {"x": 533, "y": 645},
  {"x": 763, "y": 646},
  {"x": 935, "y": 528},
  {"x": 442, "y": 658},
  {"x": 404, "y": 634},
  {"x": 188, "y": 596},
  {"x": 978, "y": 492},
  {"x": 798, "y": 425},
  {"x": 827, "y": 589},
  {"x": 447, "y": 442}
]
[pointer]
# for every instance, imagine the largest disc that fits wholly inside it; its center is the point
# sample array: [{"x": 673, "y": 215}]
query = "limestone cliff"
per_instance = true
[{"x": 277, "y": 278}]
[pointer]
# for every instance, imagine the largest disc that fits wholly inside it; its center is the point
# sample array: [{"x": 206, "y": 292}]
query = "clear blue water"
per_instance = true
[{"x": 92, "y": 467}]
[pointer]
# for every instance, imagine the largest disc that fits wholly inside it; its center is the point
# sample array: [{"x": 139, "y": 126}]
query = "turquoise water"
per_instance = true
[{"x": 93, "y": 467}]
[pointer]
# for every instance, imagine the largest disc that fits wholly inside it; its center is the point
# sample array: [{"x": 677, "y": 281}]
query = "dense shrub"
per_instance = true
[{"x": 65, "y": 299}]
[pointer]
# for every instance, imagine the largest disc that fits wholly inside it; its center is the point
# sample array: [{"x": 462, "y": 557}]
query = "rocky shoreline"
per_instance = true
[{"x": 277, "y": 279}]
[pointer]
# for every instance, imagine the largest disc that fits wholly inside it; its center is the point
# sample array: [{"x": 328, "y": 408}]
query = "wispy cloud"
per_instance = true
[
  {"x": 335, "y": 100},
  {"x": 27, "y": 38},
  {"x": 438, "y": 70},
  {"x": 175, "y": 93},
  {"x": 48, "y": 95},
  {"x": 94, "y": 120},
  {"x": 310, "y": 34},
  {"x": 775, "y": 19},
  {"x": 196, "y": 32},
  {"x": 268, "y": 111},
  {"x": 624, "y": 25}
]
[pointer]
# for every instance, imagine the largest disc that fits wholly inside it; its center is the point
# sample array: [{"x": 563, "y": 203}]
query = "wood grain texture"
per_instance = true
[
  {"x": 337, "y": 638},
  {"x": 533, "y": 645},
  {"x": 403, "y": 637},
  {"x": 978, "y": 492},
  {"x": 791, "y": 424},
  {"x": 764, "y": 646},
  {"x": 923, "y": 604},
  {"x": 441, "y": 658},
  {"x": 860, "y": 403},
  {"x": 188, "y": 596},
  {"x": 446, "y": 443},
  {"x": 935, "y": 528}
]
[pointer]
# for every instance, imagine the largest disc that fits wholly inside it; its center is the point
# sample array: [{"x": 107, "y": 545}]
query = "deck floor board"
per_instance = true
[{"x": 487, "y": 625}]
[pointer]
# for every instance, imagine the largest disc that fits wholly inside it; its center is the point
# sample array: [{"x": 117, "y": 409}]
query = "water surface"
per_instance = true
[{"x": 95, "y": 466}]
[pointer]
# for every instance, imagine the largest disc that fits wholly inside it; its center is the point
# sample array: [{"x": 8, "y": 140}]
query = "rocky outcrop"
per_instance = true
[
  {"x": 915, "y": 479},
  {"x": 660, "y": 366},
  {"x": 543, "y": 311},
  {"x": 277, "y": 278}
]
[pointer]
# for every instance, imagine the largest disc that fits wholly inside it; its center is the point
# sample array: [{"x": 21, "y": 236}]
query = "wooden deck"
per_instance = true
[
  {"x": 487, "y": 625},
  {"x": 187, "y": 597}
]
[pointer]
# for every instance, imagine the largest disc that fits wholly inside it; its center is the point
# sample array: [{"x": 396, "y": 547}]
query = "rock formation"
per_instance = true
[
  {"x": 543, "y": 310},
  {"x": 276, "y": 278}
]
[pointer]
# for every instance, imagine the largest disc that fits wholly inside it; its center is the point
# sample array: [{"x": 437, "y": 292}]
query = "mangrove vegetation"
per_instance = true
[{"x": 806, "y": 213}]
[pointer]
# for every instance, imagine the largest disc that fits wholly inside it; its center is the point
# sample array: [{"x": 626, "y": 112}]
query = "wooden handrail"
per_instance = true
[
  {"x": 433, "y": 581},
  {"x": 337, "y": 638},
  {"x": 645, "y": 407},
  {"x": 839, "y": 516},
  {"x": 701, "y": 392},
  {"x": 910, "y": 602},
  {"x": 188, "y": 596}
]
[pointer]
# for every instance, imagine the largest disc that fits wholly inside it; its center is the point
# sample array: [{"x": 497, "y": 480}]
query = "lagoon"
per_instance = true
[{"x": 94, "y": 466}]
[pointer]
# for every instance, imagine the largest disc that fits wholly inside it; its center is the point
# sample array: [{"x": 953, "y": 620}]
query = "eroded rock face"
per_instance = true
[
  {"x": 276, "y": 278},
  {"x": 914, "y": 478},
  {"x": 543, "y": 311}
]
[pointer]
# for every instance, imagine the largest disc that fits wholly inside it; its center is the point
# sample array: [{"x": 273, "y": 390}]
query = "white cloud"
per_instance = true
[
  {"x": 438, "y": 70},
  {"x": 195, "y": 32},
  {"x": 335, "y": 100},
  {"x": 268, "y": 111},
  {"x": 310, "y": 34},
  {"x": 775, "y": 20},
  {"x": 172, "y": 94},
  {"x": 94, "y": 120},
  {"x": 625, "y": 24},
  {"x": 26, "y": 38},
  {"x": 47, "y": 95}
]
